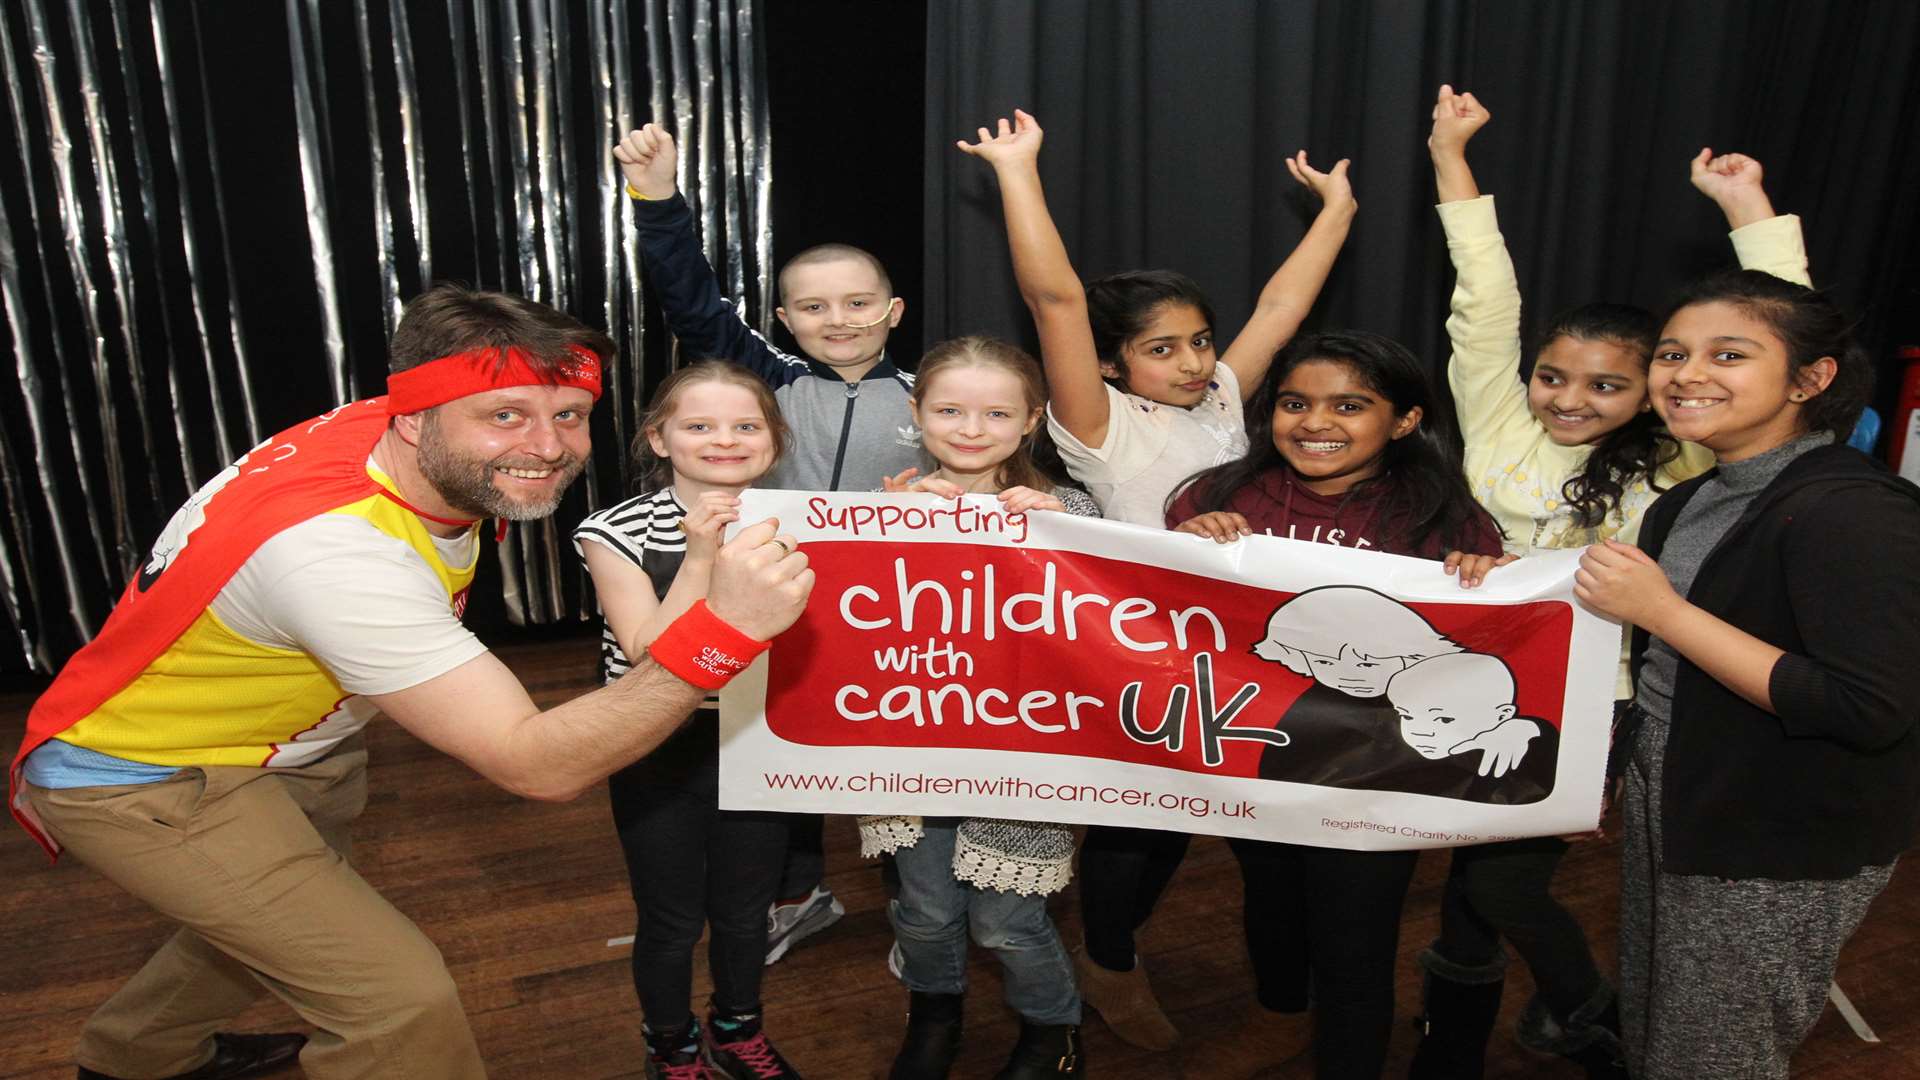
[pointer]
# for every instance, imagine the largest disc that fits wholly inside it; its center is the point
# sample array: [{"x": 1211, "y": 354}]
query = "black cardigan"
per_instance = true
[{"x": 1824, "y": 564}]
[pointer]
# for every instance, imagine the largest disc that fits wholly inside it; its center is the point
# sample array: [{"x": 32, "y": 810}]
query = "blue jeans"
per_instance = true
[{"x": 931, "y": 917}]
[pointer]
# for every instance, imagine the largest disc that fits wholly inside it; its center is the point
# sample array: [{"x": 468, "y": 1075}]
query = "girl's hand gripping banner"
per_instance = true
[{"x": 957, "y": 659}]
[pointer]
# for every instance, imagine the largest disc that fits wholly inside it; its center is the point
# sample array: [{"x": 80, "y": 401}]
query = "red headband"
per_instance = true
[{"x": 437, "y": 382}]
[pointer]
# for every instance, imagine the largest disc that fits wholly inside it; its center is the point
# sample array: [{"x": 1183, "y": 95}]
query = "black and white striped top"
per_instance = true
[{"x": 645, "y": 530}]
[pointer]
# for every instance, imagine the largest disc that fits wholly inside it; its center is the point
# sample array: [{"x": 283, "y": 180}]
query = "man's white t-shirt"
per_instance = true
[{"x": 360, "y": 602}]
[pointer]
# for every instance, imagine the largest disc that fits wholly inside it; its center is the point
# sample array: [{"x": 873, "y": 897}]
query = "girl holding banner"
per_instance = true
[
  {"x": 1337, "y": 454},
  {"x": 711, "y": 430},
  {"x": 1569, "y": 457},
  {"x": 1774, "y": 774},
  {"x": 977, "y": 402}
]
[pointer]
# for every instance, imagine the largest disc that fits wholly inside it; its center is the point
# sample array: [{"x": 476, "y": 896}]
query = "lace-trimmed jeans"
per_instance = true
[{"x": 934, "y": 912}]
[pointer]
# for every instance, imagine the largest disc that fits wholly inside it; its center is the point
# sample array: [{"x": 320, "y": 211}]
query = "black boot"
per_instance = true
[
  {"x": 1462, "y": 1003},
  {"x": 933, "y": 1038},
  {"x": 1045, "y": 1050},
  {"x": 1589, "y": 1036}
]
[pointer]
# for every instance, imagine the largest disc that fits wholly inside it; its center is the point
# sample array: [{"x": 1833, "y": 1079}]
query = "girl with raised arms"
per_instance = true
[
  {"x": 1566, "y": 457},
  {"x": 1137, "y": 403}
]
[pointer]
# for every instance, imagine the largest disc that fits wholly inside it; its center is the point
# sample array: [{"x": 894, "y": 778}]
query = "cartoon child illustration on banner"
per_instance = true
[{"x": 1381, "y": 670}]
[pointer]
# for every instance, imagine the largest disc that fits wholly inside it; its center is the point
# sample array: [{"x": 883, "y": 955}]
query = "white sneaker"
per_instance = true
[{"x": 788, "y": 924}]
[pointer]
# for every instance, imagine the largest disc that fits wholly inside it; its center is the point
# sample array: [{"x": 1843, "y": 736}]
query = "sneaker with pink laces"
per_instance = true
[
  {"x": 685, "y": 1070},
  {"x": 737, "y": 1049},
  {"x": 676, "y": 1055}
]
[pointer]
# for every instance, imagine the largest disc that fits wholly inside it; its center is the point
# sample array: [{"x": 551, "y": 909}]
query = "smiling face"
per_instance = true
[
  {"x": 1171, "y": 361},
  {"x": 1332, "y": 428},
  {"x": 505, "y": 453},
  {"x": 973, "y": 417},
  {"x": 839, "y": 312},
  {"x": 717, "y": 437},
  {"x": 1581, "y": 389},
  {"x": 1720, "y": 378}
]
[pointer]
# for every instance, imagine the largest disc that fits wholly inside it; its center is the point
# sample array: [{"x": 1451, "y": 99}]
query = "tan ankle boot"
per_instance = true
[
  {"x": 1262, "y": 1040},
  {"x": 1125, "y": 1001}
]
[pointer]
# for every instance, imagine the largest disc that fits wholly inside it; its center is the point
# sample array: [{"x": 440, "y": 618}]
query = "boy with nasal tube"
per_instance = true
[{"x": 844, "y": 399}]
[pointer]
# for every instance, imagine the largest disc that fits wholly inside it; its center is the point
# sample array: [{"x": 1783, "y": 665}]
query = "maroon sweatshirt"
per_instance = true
[{"x": 1276, "y": 504}]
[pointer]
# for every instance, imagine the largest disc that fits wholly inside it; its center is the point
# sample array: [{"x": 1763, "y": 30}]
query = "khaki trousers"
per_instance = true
[{"x": 252, "y": 864}]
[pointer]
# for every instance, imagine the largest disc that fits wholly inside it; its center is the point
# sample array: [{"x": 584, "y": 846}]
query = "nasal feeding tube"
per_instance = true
[{"x": 884, "y": 316}]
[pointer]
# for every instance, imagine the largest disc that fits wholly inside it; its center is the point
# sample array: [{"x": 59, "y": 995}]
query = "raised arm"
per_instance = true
[
  {"x": 1456, "y": 117},
  {"x": 1762, "y": 239},
  {"x": 479, "y": 712},
  {"x": 697, "y": 312},
  {"x": 1290, "y": 293},
  {"x": 1483, "y": 321},
  {"x": 1076, "y": 394}
]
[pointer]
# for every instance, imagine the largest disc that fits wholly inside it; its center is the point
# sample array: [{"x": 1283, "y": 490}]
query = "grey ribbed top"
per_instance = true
[{"x": 1702, "y": 522}]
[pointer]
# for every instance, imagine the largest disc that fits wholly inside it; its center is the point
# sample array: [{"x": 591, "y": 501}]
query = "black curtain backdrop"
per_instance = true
[
  {"x": 844, "y": 84},
  {"x": 1168, "y": 123}
]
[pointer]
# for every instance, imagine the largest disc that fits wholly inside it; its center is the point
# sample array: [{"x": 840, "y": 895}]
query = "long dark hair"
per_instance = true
[
  {"x": 1121, "y": 306},
  {"x": 1422, "y": 486},
  {"x": 1634, "y": 450},
  {"x": 1811, "y": 325}
]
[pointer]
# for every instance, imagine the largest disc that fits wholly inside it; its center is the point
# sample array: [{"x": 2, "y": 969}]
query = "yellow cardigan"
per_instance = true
[{"x": 1514, "y": 468}]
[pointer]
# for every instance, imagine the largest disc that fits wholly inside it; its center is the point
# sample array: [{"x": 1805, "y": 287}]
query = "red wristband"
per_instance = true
[{"x": 703, "y": 649}]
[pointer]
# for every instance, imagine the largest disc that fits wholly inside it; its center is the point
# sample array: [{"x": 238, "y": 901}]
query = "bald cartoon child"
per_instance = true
[{"x": 1454, "y": 705}]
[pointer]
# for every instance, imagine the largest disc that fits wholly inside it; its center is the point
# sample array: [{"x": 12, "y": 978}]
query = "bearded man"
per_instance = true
[{"x": 205, "y": 751}]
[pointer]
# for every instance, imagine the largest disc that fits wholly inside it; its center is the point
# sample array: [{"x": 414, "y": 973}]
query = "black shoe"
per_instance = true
[
  {"x": 1457, "y": 1019},
  {"x": 1045, "y": 1050},
  {"x": 675, "y": 1054},
  {"x": 1589, "y": 1036},
  {"x": 933, "y": 1038},
  {"x": 736, "y": 1048},
  {"x": 1600, "y": 1061},
  {"x": 235, "y": 1056}
]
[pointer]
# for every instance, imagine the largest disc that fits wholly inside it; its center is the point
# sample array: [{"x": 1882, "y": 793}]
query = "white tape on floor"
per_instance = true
[
  {"x": 1850, "y": 1014},
  {"x": 616, "y": 942}
]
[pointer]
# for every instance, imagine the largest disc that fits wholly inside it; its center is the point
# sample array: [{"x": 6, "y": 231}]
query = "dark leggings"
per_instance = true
[
  {"x": 1323, "y": 926},
  {"x": 691, "y": 864},
  {"x": 1500, "y": 890},
  {"x": 1122, "y": 874}
]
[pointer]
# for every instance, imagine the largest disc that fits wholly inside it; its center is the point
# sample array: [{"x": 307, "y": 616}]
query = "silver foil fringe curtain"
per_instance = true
[{"x": 214, "y": 212}]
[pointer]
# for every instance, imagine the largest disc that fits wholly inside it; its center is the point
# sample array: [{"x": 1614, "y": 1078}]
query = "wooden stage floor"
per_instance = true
[{"x": 522, "y": 898}]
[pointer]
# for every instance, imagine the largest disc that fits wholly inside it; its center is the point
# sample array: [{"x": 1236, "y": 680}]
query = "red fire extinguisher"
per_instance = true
[{"x": 1905, "y": 451}]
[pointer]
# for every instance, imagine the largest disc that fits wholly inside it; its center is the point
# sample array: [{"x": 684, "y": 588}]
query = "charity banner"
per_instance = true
[{"x": 957, "y": 659}]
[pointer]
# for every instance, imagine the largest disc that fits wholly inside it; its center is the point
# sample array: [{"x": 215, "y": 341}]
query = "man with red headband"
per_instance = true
[{"x": 204, "y": 751}]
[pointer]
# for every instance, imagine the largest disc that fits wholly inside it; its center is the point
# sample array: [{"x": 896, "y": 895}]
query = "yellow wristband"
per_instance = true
[{"x": 632, "y": 194}]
